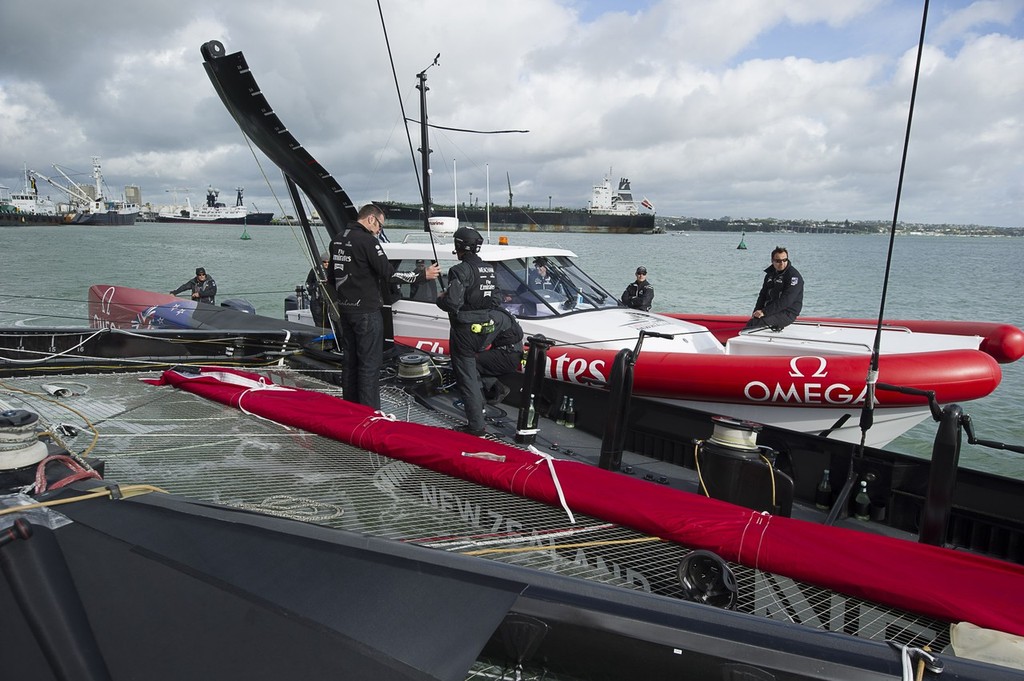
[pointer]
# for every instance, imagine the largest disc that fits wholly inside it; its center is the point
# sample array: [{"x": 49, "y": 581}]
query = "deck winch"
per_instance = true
[
  {"x": 19, "y": 444},
  {"x": 734, "y": 468},
  {"x": 418, "y": 372},
  {"x": 708, "y": 579}
]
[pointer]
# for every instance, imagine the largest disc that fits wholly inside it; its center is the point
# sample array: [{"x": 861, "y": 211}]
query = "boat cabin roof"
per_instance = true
[{"x": 418, "y": 246}]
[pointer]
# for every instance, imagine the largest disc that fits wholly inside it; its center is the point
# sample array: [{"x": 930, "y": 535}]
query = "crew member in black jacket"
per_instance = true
[
  {"x": 317, "y": 300},
  {"x": 359, "y": 271},
  {"x": 503, "y": 357},
  {"x": 470, "y": 303},
  {"x": 640, "y": 294},
  {"x": 202, "y": 286},
  {"x": 782, "y": 294}
]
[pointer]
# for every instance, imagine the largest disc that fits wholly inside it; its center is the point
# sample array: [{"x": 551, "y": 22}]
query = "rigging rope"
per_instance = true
[
  {"x": 872, "y": 378},
  {"x": 401, "y": 104},
  {"x": 313, "y": 257},
  {"x": 867, "y": 412}
]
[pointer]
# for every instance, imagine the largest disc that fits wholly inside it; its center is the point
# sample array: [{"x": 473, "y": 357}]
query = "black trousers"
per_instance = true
[
  {"x": 495, "y": 363},
  {"x": 362, "y": 335},
  {"x": 465, "y": 345}
]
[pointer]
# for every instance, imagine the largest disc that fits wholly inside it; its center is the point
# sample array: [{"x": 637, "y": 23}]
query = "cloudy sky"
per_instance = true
[{"x": 747, "y": 108}]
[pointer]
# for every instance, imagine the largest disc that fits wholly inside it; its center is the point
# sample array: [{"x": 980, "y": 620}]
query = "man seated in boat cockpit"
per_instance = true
[
  {"x": 540, "y": 278},
  {"x": 782, "y": 294}
]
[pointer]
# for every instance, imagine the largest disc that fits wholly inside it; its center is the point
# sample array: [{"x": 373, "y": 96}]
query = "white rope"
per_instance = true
[
  {"x": 249, "y": 384},
  {"x": 56, "y": 354},
  {"x": 906, "y": 663},
  {"x": 364, "y": 426},
  {"x": 761, "y": 519},
  {"x": 554, "y": 478}
]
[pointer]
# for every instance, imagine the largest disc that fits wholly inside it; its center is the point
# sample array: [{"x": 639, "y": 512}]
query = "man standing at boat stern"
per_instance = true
[
  {"x": 359, "y": 271},
  {"x": 640, "y": 294},
  {"x": 782, "y": 294},
  {"x": 470, "y": 301}
]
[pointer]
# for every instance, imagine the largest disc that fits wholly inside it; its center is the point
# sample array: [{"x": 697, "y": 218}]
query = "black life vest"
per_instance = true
[{"x": 480, "y": 294}]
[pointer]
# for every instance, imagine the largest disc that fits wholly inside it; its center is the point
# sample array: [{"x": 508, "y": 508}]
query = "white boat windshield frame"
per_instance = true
[{"x": 531, "y": 285}]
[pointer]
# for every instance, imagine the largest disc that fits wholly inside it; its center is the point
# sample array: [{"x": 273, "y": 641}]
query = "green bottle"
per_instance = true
[
  {"x": 862, "y": 503},
  {"x": 570, "y": 414}
]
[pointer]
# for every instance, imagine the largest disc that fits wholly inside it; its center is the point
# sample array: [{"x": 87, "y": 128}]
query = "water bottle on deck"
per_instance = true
[
  {"x": 862, "y": 503},
  {"x": 562, "y": 410},
  {"x": 570, "y": 414},
  {"x": 823, "y": 495},
  {"x": 531, "y": 414}
]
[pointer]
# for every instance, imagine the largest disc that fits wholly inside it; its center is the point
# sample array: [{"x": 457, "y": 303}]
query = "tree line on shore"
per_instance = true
[{"x": 727, "y": 224}]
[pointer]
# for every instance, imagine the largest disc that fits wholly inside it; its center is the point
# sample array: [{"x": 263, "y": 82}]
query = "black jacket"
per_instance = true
[
  {"x": 471, "y": 287},
  {"x": 207, "y": 290},
  {"x": 509, "y": 335},
  {"x": 313, "y": 289},
  {"x": 638, "y": 295},
  {"x": 781, "y": 296},
  {"x": 359, "y": 270}
]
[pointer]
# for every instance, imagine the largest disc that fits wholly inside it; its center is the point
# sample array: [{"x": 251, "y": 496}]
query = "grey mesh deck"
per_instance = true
[{"x": 199, "y": 449}]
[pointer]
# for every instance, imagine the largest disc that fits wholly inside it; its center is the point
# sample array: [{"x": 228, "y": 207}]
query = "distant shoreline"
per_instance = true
[{"x": 771, "y": 225}]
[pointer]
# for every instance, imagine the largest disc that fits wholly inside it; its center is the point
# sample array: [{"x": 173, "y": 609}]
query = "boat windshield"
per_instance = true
[
  {"x": 548, "y": 286},
  {"x": 528, "y": 287}
]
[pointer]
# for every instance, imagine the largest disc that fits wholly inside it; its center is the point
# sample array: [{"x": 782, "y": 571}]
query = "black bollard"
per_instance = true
[
  {"x": 533, "y": 380},
  {"x": 621, "y": 386},
  {"x": 942, "y": 477}
]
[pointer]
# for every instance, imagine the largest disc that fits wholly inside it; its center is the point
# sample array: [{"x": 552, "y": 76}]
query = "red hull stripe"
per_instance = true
[{"x": 809, "y": 381}]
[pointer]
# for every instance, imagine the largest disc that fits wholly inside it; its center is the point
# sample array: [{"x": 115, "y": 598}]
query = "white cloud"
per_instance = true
[{"x": 756, "y": 108}]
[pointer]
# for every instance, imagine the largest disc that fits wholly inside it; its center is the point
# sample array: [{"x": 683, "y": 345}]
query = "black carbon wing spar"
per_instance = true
[{"x": 243, "y": 99}]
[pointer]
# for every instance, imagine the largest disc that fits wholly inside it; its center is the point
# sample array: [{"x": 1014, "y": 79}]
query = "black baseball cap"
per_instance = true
[
  {"x": 641, "y": 270},
  {"x": 200, "y": 270}
]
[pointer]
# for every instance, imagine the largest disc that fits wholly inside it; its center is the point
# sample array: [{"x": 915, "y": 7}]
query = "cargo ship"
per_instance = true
[{"x": 610, "y": 212}]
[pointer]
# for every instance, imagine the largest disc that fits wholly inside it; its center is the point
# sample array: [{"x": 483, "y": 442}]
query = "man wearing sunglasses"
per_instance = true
[
  {"x": 782, "y": 294},
  {"x": 202, "y": 287},
  {"x": 360, "y": 271}
]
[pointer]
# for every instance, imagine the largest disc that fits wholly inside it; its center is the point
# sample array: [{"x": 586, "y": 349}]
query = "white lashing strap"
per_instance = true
[
  {"x": 364, "y": 425},
  {"x": 759, "y": 520},
  {"x": 249, "y": 384},
  {"x": 554, "y": 478}
]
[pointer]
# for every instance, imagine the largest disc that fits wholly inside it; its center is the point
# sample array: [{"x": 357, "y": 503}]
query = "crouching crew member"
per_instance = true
[{"x": 505, "y": 356}]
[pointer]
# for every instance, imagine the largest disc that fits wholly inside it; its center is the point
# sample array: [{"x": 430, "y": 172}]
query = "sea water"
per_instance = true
[{"x": 46, "y": 272}]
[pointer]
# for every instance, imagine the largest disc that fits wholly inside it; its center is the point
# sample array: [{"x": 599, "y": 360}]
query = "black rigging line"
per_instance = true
[
  {"x": 867, "y": 412},
  {"x": 475, "y": 132},
  {"x": 401, "y": 104}
]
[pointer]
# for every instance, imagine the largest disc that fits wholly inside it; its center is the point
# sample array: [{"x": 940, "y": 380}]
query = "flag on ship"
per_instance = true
[{"x": 647, "y": 204}]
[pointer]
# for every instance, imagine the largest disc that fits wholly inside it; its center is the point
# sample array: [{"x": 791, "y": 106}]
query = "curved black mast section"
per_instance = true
[
  {"x": 425, "y": 145},
  {"x": 243, "y": 99}
]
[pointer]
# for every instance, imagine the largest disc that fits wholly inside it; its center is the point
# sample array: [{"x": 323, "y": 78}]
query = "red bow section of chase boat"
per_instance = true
[{"x": 810, "y": 380}]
